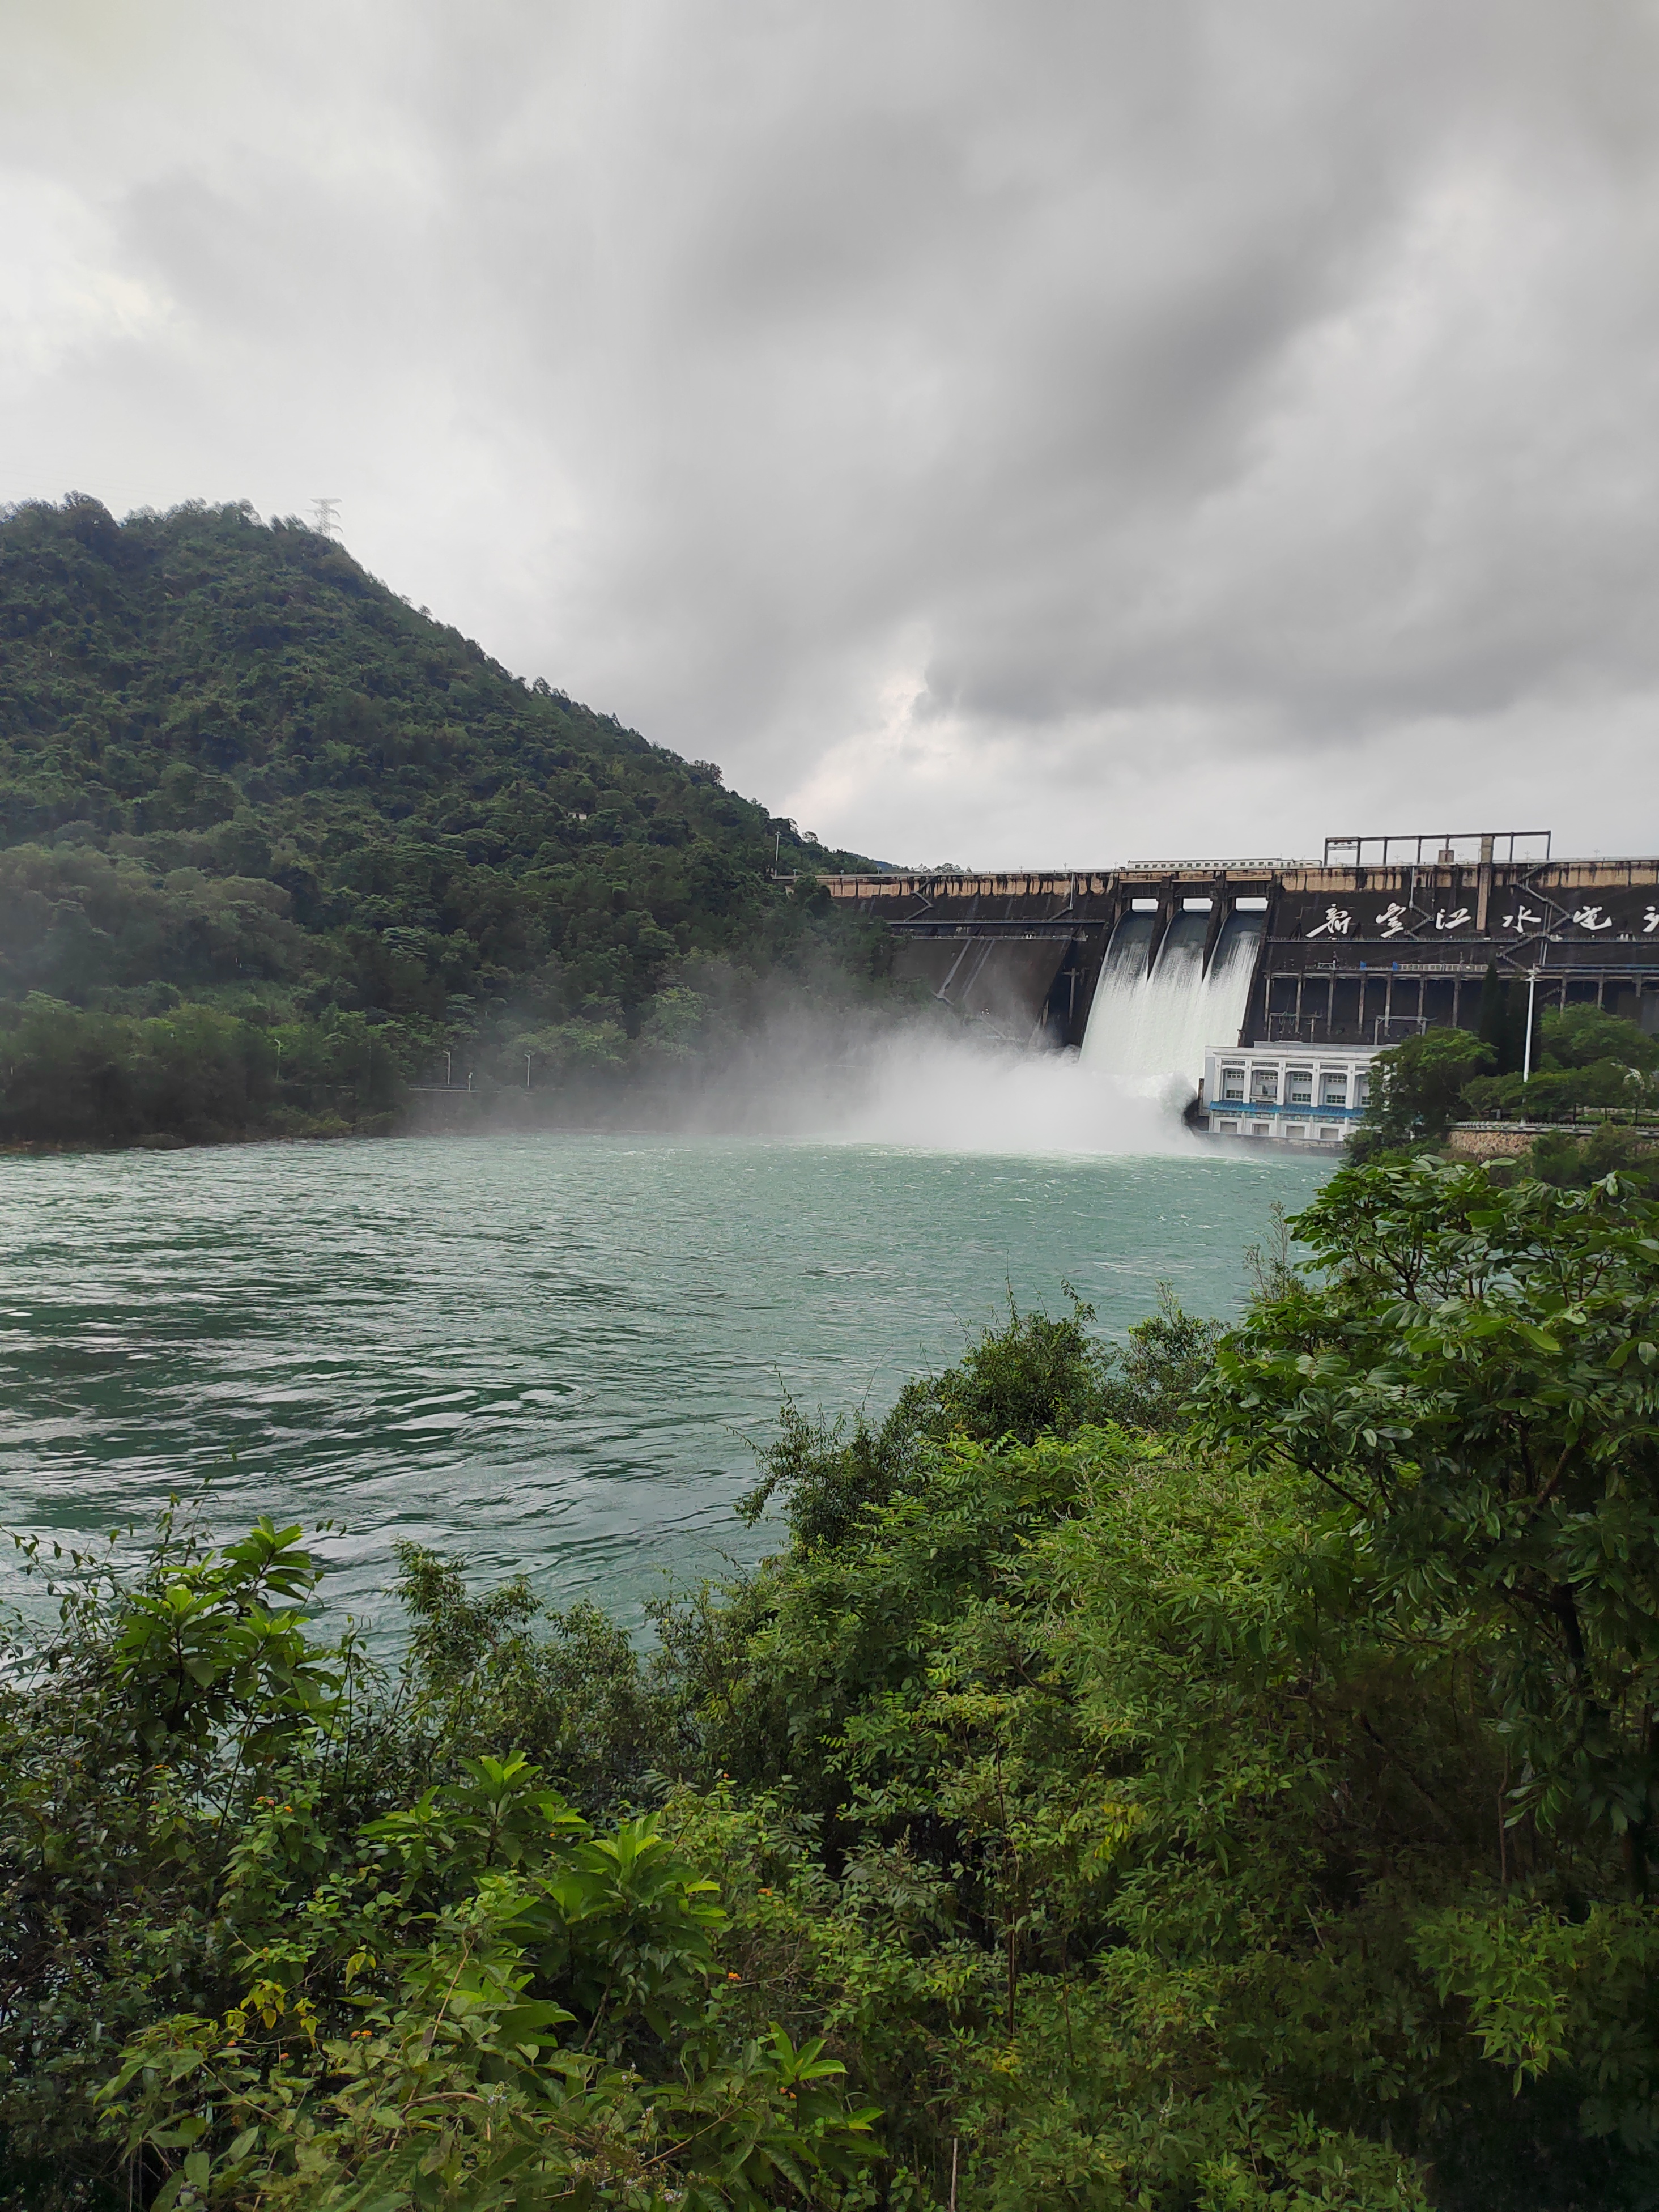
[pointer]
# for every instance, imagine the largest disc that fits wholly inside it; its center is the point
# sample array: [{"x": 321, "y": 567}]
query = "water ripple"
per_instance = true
[{"x": 542, "y": 1351}]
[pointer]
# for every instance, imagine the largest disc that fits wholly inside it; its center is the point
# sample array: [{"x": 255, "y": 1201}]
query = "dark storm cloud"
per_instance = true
[{"x": 1028, "y": 432}]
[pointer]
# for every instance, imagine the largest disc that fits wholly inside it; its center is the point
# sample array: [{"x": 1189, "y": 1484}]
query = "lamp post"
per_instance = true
[{"x": 1531, "y": 992}]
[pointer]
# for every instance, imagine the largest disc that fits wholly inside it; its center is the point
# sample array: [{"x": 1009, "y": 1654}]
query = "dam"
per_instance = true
[{"x": 1146, "y": 967}]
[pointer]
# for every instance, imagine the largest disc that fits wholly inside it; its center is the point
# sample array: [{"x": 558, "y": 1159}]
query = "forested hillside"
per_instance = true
[{"x": 273, "y": 842}]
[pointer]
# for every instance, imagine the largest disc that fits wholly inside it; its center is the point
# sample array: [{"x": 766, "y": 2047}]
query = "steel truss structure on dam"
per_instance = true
[{"x": 1381, "y": 937}]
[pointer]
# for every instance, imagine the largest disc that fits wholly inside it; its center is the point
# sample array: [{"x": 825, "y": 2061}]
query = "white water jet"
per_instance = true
[{"x": 1148, "y": 1032}]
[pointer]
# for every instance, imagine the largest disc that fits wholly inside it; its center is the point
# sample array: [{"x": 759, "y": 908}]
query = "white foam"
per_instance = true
[{"x": 961, "y": 1095}]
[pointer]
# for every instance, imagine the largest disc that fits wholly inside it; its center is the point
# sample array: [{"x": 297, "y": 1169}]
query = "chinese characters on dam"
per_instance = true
[{"x": 1382, "y": 921}]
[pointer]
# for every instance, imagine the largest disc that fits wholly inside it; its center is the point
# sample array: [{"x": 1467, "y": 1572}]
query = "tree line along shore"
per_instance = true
[{"x": 1584, "y": 1098}]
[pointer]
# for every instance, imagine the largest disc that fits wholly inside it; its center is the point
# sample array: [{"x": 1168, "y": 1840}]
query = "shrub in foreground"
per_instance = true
[{"x": 1247, "y": 1809}]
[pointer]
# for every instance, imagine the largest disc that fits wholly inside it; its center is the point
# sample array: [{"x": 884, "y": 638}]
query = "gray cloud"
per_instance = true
[{"x": 1049, "y": 434}]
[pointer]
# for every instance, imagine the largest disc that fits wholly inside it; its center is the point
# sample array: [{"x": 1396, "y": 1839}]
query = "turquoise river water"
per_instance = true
[{"x": 543, "y": 1351}]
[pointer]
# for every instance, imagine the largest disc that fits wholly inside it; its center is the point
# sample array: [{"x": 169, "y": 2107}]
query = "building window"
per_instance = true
[
  {"x": 1227, "y": 1129},
  {"x": 1264, "y": 1086},
  {"x": 1332, "y": 1088},
  {"x": 1362, "y": 1089},
  {"x": 1299, "y": 1087},
  {"x": 1232, "y": 1083},
  {"x": 1296, "y": 1132},
  {"x": 1331, "y": 1134}
]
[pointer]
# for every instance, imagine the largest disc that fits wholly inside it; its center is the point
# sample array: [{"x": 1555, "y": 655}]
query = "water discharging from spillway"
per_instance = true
[{"x": 1150, "y": 1027}]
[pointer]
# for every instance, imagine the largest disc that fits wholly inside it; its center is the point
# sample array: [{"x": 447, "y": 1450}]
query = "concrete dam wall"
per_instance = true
[{"x": 1133, "y": 964}]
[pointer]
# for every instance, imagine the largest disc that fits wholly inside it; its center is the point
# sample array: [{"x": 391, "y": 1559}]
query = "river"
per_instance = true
[{"x": 543, "y": 1351}]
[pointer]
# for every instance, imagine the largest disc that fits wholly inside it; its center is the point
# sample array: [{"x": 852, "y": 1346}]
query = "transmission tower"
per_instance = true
[{"x": 328, "y": 522}]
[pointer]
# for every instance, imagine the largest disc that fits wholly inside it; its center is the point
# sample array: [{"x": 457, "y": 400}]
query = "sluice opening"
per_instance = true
[{"x": 1150, "y": 1029}]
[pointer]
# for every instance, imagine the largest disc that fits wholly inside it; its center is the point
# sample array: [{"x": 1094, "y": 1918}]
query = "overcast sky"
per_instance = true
[{"x": 1039, "y": 433}]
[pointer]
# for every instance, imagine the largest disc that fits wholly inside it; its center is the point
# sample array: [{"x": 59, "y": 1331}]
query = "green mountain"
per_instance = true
[{"x": 273, "y": 843}]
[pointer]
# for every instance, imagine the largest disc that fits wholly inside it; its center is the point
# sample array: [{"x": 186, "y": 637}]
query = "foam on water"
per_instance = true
[{"x": 964, "y": 1095}]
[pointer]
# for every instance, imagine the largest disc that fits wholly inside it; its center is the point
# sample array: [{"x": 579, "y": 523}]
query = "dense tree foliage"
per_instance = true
[
  {"x": 238, "y": 773},
  {"x": 1586, "y": 1057},
  {"x": 1589, "y": 1066},
  {"x": 1416, "y": 1088},
  {"x": 1216, "y": 1775}
]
